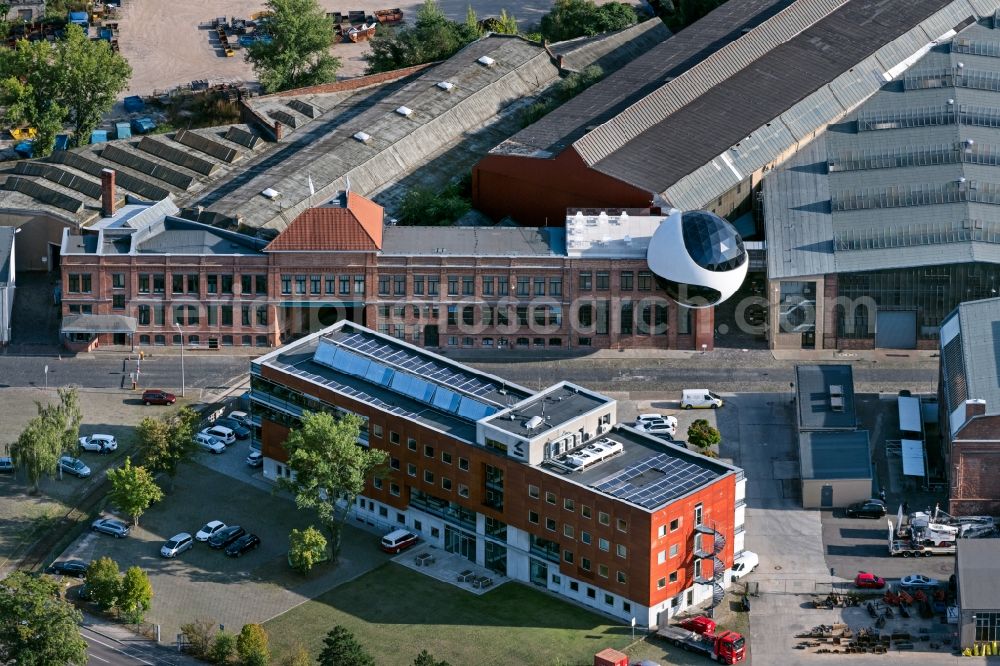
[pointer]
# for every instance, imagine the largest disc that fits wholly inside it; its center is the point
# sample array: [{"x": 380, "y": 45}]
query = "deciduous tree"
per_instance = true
[
  {"x": 166, "y": 443},
  {"x": 579, "y": 18},
  {"x": 299, "y": 656},
  {"x": 343, "y": 650},
  {"x": 330, "y": 468},
  {"x": 37, "y": 450},
  {"x": 306, "y": 549},
  {"x": 37, "y": 628},
  {"x": 29, "y": 81},
  {"x": 702, "y": 435},
  {"x": 432, "y": 37},
  {"x": 93, "y": 77},
  {"x": 251, "y": 646},
  {"x": 298, "y": 53},
  {"x": 135, "y": 594},
  {"x": 223, "y": 648},
  {"x": 104, "y": 582},
  {"x": 133, "y": 489}
]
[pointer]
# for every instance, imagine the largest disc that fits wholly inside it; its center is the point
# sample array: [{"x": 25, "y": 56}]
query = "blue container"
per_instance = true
[
  {"x": 62, "y": 141},
  {"x": 134, "y": 104},
  {"x": 123, "y": 131},
  {"x": 25, "y": 149},
  {"x": 99, "y": 136},
  {"x": 143, "y": 125}
]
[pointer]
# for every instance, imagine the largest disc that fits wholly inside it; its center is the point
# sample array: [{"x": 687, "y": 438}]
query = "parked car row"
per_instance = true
[{"x": 234, "y": 539}]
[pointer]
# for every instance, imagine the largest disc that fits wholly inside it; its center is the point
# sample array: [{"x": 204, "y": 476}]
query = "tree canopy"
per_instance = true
[
  {"x": 135, "y": 594},
  {"x": 432, "y": 37},
  {"x": 298, "y": 53},
  {"x": 37, "y": 627},
  {"x": 103, "y": 578},
  {"x": 427, "y": 207},
  {"x": 75, "y": 80},
  {"x": 702, "y": 435},
  {"x": 342, "y": 649},
  {"x": 166, "y": 443},
  {"x": 251, "y": 646},
  {"x": 330, "y": 467},
  {"x": 427, "y": 659},
  {"x": 306, "y": 549},
  {"x": 583, "y": 18},
  {"x": 133, "y": 489},
  {"x": 48, "y": 435}
]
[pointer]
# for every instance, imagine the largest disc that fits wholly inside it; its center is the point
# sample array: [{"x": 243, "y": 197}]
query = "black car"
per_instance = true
[
  {"x": 244, "y": 544},
  {"x": 74, "y": 568},
  {"x": 226, "y": 536},
  {"x": 240, "y": 430},
  {"x": 872, "y": 508}
]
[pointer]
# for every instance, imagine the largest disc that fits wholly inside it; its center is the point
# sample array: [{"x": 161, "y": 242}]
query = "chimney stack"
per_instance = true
[
  {"x": 108, "y": 201},
  {"x": 974, "y": 407}
]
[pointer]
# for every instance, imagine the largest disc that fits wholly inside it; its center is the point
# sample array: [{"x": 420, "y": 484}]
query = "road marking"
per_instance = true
[
  {"x": 112, "y": 647},
  {"x": 94, "y": 656}
]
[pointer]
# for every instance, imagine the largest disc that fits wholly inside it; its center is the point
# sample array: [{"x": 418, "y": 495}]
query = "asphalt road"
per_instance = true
[{"x": 103, "y": 650}]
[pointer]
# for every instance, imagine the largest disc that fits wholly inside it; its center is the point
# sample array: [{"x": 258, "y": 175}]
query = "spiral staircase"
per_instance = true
[{"x": 711, "y": 557}]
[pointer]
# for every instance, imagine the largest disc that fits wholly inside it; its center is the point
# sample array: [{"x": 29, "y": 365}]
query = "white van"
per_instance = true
[{"x": 700, "y": 399}]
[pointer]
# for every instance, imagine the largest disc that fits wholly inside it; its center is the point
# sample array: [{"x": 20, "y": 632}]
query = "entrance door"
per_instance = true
[
  {"x": 456, "y": 541},
  {"x": 120, "y": 339},
  {"x": 431, "y": 335},
  {"x": 826, "y": 496}
]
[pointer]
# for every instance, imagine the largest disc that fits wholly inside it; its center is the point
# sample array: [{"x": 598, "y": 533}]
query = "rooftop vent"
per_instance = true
[
  {"x": 404, "y": 111},
  {"x": 271, "y": 193},
  {"x": 445, "y": 85},
  {"x": 836, "y": 398},
  {"x": 487, "y": 61},
  {"x": 363, "y": 137}
]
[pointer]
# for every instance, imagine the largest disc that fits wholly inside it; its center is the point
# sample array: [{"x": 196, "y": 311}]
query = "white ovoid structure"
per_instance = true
[{"x": 698, "y": 258}]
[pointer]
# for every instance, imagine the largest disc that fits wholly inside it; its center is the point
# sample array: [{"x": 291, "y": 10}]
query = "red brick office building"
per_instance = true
[
  {"x": 586, "y": 285},
  {"x": 544, "y": 488}
]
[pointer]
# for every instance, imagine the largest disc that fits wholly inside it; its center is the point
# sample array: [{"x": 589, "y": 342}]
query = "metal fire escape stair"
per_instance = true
[{"x": 717, "y": 563}]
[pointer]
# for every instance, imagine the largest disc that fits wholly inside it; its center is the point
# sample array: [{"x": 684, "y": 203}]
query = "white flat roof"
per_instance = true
[
  {"x": 610, "y": 234},
  {"x": 913, "y": 457}
]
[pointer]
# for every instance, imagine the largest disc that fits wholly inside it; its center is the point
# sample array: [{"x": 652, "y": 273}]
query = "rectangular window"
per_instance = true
[
  {"x": 227, "y": 284},
  {"x": 433, "y": 285},
  {"x": 532, "y": 491},
  {"x": 627, "y": 318},
  {"x": 568, "y": 531},
  {"x": 621, "y": 550},
  {"x": 262, "y": 315},
  {"x": 394, "y": 489},
  {"x": 488, "y": 285},
  {"x": 661, "y": 531},
  {"x": 463, "y": 464},
  {"x": 411, "y": 444},
  {"x": 445, "y": 483},
  {"x": 453, "y": 285},
  {"x": 622, "y": 525},
  {"x": 383, "y": 285},
  {"x": 603, "y": 280},
  {"x": 345, "y": 285},
  {"x": 117, "y": 280},
  {"x": 142, "y": 314},
  {"x": 645, "y": 281},
  {"x": 177, "y": 283},
  {"x": 661, "y": 557},
  {"x": 539, "y": 286},
  {"x": 627, "y": 281},
  {"x": 143, "y": 283},
  {"x": 315, "y": 284},
  {"x": 245, "y": 312},
  {"x": 523, "y": 286},
  {"x": 418, "y": 285},
  {"x": 503, "y": 285},
  {"x": 286, "y": 284},
  {"x": 193, "y": 283},
  {"x": 550, "y": 497},
  {"x": 446, "y": 457},
  {"x": 569, "y": 504},
  {"x": 468, "y": 285},
  {"x": 394, "y": 463},
  {"x": 411, "y": 469},
  {"x": 159, "y": 283},
  {"x": 661, "y": 583},
  {"x": 673, "y": 577},
  {"x": 603, "y": 518},
  {"x": 227, "y": 315},
  {"x": 673, "y": 550},
  {"x": 377, "y": 430},
  {"x": 555, "y": 286},
  {"x": 246, "y": 284},
  {"x": 463, "y": 491},
  {"x": 118, "y": 302},
  {"x": 602, "y": 571},
  {"x": 568, "y": 556},
  {"x": 675, "y": 524},
  {"x": 212, "y": 282},
  {"x": 586, "y": 281},
  {"x": 585, "y": 537},
  {"x": 159, "y": 313},
  {"x": 621, "y": 577},
  {"x": 604, "y": 544},
  {"x": 698, "y": 510},
  {"x": 359, "y": 284},
  {"x": 212, "y": 315},
  {"x": 300, "y": 284},
  {"x": 428, "y": 451},
  {"x": 533, "y": 517},
  {"x": 260, "y": 284},
  {"x": 330, "y": 284},
  {"x": 393, "y": 437},
  {"x": 399, "y": 285},
  {"x": 550, "y": 524},
  {"x": 585, "y": 563},
  {"x": 585, "y": 511}
]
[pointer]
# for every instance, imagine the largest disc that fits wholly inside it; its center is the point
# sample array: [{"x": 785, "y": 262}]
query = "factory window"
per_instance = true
[
  {"x": 555, "y": 286},
  {"x": 117, "y": 280},
  {"x": 569, "y": 504},
  {"x": 550, "y": 497},
  {"x": 627, "y": 281},
  {"x": 586, "y": 281},
  {"x": 603, "y": 280},
  {"x": 286, "y": 284}
]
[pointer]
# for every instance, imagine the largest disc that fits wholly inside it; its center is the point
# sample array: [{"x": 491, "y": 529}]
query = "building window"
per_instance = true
[
  {"x": 673, "y": 550},
  {"x": 591, "y": 593},
  {"x": 626, "y": 320},
  {"x": 555, "y": 286},
  {"x": 523, "y": 286},
  {"x": 212, "y": 312},
  {"x": 550, "y": 524},
  {"x": 143, "y": 283},
  {"x": 433, "y": 285},
  {"x": 394, "y": 463},
  {"x": 394, "y": 489},
  {"x": 627, "y": 278},
  {"x": 118, "y": 301},
  {"x": 445, "y": 483},
  {"x": 315, "y": 284},
  {"x": 446, "y": 457},
  {"x": 568, "y": 531},
  {"x": 698, "y": 509},
  {"x": 227, "y": 284},
  {"x": 488, "y": 285},
  {"x": 603, "y": 280},
  {"x": 463, "y": 491},
  {"x": 533, "y": 517},
  {"x": 393, "y": 437},
  {"x": 411, "y": 469},
  {"x": 604, "y": 544},
  {"x": 463, "y": 464},
  {"x": 550, "y": 497},
  {"x": 532, "y": 491},
  {"x": 212, "y": 284},
  {"x": 673, "y": 577},
  {"x": 661, "y": 557},
  {"x": 586, "y": 281},
  {"x": 622, "y": 579},
  {"x": 573, "y": 585},
  {"x": 411, "y": 444},
  {"x": 399, "y": 285},
  {"x": 359, "y": 284},
  {"x": 468, "y": 285},
  {"x": 585, "y": 511},
  {"x": 286, "y": 284},
  {"x": 377, "y": 483},
  {"x": 675, "y": 524},
  {"x": 227, "y": 315},
  {"x": 117, "y": 280},
  {"x": 645, "y": 281},
  {"x": 603, "y": 518},
  {"x": 142, "y": 314},
  {"x": 177, "y": 284},
  {"x": 661, "y": 531},
  {"x": 260, "y": 285},
  {"x": 621, "y": 550},
  {"x": 585, "y": 563},
  {"x": 428, "y": 451},
  {"x": 345, "y": 285},
  {"x": 377, "y": 430},
  {"x": 453, "y": 285},
  {"x": 569, "y": 504},
  {"x": 245, "y": 315},
  {"x": 428, "y": 476},
  {"x": 622, "y": 525},
  {"x": 159, "y": 283},
  {"x": 568, "y": 556},
  {"x": 262, "y": 315},
  {"x": 539, "y": 286},
  {"x": 662, "y": 583},
  {"x": 585, "y": 537}
]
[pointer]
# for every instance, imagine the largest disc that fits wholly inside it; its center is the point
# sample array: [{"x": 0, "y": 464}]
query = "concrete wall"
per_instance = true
[
  {"x": 36, "y": 232},
  {"x": 845, "y": 491}
]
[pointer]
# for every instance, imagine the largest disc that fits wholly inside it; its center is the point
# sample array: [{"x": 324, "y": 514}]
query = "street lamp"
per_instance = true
[{"x": 181, "y": 335}]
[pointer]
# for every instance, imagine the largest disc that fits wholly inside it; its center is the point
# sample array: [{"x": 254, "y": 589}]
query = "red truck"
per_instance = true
[{"x": 726, "y": 647}]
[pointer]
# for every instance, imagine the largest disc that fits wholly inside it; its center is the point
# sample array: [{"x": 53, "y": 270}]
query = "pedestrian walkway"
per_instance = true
[
  {"x": 121, "y": 638},
  {"x": 450, "y": 568}
]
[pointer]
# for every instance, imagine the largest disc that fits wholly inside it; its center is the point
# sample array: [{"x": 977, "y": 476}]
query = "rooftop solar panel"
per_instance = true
[{"x": 655, "y": 480}]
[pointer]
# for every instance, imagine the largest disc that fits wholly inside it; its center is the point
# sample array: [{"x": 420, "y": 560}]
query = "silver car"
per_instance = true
[
  {"x": 209, "y": 443},
  {"x": 115, "y": 528},
  {"x": 177, "y": 545},
  {"x": 74, "y": 466}
]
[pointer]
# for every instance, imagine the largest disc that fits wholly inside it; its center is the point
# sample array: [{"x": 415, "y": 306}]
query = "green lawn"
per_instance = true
[{"x": 396, "y": 612}]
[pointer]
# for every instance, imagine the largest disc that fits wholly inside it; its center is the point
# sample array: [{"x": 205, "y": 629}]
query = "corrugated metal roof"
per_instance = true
[
  {"x": 977, "y": 570},
  {"x": 908, "y": 192},
  {"x": 980, "y": 331}
]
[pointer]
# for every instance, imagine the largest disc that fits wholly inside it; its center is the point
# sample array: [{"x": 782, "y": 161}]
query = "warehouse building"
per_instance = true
[
  {"x": 543, "y": 487},
  {"x": 977, "y": 573}
]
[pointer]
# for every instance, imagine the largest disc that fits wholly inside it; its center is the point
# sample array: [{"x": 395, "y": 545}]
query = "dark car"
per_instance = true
[
  {"x": 872, "y": 508},
  {"x": 226, "y": 536},
  {"x": 74, "y": 568},
  {"x": 158, "y": 397},
  {"x": 244, "y": 544},
  {"x": 240, "y": 430}
]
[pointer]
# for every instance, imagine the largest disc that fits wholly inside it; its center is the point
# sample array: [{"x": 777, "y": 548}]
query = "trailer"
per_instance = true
[
  {"x": 727, "y": 647},
  {"x": 914, "y": 547}
]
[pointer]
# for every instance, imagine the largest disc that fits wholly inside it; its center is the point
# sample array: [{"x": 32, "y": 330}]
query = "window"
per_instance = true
[
  {"x": 585, "y": 537},
  {"x": 159, "y": 283},
  {"x": 661, "y": 531},
  {"x": 532, "y": 491},
  {"x": 468, "y": 285},
  {"x": 118, "y": 301},
  {"x": 503, "y": 285},
  {"x": 212, "y": 282},
  {"x": 227, "y": 284},
  {"x": 262, "y": 315},
  {"x": 399, "y": 285},
  {"x": 626, "y": 320},
  {"x": 627, "y": 278},
  {"x": 568, "y": 556},
  {"x": 586, "y": 281},
  {"x": 453, "y": 285},
  {"x": 359, "y": 284},
  {"x": 213, "y": 319},
  {"x": 394, "y": 489},
  {"x": 286, "y": 284},
  {"x": 463, "y": 491},
  {"x": 662, "y": 583},
  {"x": 446, "y": 457},
  {"x": 539, "y": 286},
  {"x": 673, "y": 550},
  {"x": 377, "y": 483},
  {"x": 142, "y": 314},
  {"x": 446, "y": 483},
  {"x": 591, "y": 593},
  {"x": 315, "y": 283},
  {"x": 621, "y": 550},
  {"x": 463, "y": 464},
  {"x": 585, "y": 511},
  {"x": 533, "y": 517},
  {"x": 604, "y": 544},
  {"x": 550, "y": 497},
  {"x": 523, "y": 286},
  {"x": 300, "y": 284},
  {"x": 555, "y": 286},
  {"x": 603, "y": 518},
  {"x": 428, "y": 476},
  {"x": 177, "y": 284},
  {"x": 117, "y": 280},
  {"x": 245, "y": 315},
  {"x": 568, "y": 531},
  {"x": 674, "y": 524},
  {"x": 344, "y": 285},
  {"x": 227, "y": 315},
  {"x": 377, "y": 430},
  {"x": 143, "y": 283},
  {"x": 661, "y": 557},
  {"x": 488, "y": 285},
  {"x": 411, "y": 444},
  {"x": 585, "y": 563},
  {"x": 411, "y": 469},
  {"x": 622, "y": 579},
  {"x": 697, "y": 514},
  {"x": 428, "y": 451},
  {"x": 573, "y": 585},
  {"x": 603, "y": 280},
  {"x": 433, "y": 285},
  {"x": 393, "y": 437},
  {"x": 550, "y": 524},
  {"x": 394, "y": 463},
  {"x": 645, "y": 281},
  {"x": 673, "y": 577},
  {"x": 622, "y": 525}
]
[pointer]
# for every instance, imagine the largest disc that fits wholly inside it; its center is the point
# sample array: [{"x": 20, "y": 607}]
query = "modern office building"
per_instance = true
[
  {"x": 544, "y": 487},
  {"x": 969, "y": 403},
  {"x": 587, "y": 285},
  {"x": 886, "y": 222}
]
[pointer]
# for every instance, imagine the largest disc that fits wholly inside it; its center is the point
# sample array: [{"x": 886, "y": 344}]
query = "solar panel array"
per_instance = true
[
  {"x": 305, "y": 108},
  {"x": 242, "y": 137},
  {"x": 670, "y": 478},
  {"x": 206, "y": 145},
  {"x": 116, "y": 153},
  {"x": 357, "y": 394},
  {"x": 143, "y": 188},
  {"x": 47, "y": 195},
  {"x": 61, "y": 176},
  {"x": 419, "y": 365},
  {"x": 180, "y": 157}
]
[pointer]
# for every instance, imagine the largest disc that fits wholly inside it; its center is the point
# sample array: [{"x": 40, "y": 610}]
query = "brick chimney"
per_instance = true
[
  {"x": 279, "y": 131},
  {"x": 974, "y": 408},
  {"x": 108, "y": 200}
]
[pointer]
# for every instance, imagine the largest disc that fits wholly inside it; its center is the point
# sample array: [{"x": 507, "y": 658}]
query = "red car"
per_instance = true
[
  {"x": 158, "y": 397},
  {"x": 699, "y": 624},
  {"x": 869, "y": 580}
]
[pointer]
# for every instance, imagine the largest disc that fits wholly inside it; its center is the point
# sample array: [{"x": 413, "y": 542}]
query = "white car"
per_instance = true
[
  {"x": 221, "y": 433},
  {"x": 210, "y": 528},
  {"x": 242, "y": 417},
  {"x": 643, "y": 419},
  {"x": 665, "y": 426},
  {"x": 177, "y": 545},
  {"x": 255, "y": 459},
  {"x": 99, "y": 443},
  {"x": 209, "y": 443},
  {"x": 744, "y": 564}
]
